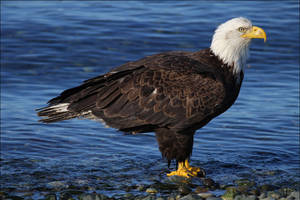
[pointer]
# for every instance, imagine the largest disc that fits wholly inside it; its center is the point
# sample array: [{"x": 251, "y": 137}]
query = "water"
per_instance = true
[{"x": 47, "y": 47}]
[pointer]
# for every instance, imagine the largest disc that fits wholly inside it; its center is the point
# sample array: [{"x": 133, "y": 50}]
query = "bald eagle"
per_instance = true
[{"x": 172, "y": 94}]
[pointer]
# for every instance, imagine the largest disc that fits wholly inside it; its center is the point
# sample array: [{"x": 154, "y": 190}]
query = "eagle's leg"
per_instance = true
[
  {"x": 178, "y": 146},
  {"x": 185, "y": 170}
]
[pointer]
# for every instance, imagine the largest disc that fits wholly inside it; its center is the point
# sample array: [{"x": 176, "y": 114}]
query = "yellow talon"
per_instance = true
[{"x": 185, "y": 170}]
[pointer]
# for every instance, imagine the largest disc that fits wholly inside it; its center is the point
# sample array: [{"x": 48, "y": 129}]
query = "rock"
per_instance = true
[
  {"x": 205, "y": 195},
  {"x": 200, "y": 189},
  {"x": 58, "y": 184},
  {"x": 285, "y": 192},
  {"x": 274, "y": 195},
  {"x": 66, "y": 196},
  {"x": 160, "y": 198},
  {"x": 208, "y": 182},
  {"x": 128, "y": 196},
  {"x": 245, "y": 197},
  {"x": 93, "y": 196},
  {"x": 151, "y": 190},
  {"x": 171, "y": 198},
  {"x": 295, "y": 195},
  {"x": 191, "y": 197},
  {"x": 50, "y": 197},
  {"x": 244, "y": 182},
  {"x": 267, "y": 187},
  {"x": 213, "y": 198},
  {"x": 140, "y": 188},
  {"x": 290, "y": 198},
  {"x": 230, "y": 193},
  {"x": 184, "y": 189},
  {"x": 263, "y": 195},
  {"x": 150, "y": 197},
  {"x": 178, "y": 179},
  {"x": 255, "y": 192}
]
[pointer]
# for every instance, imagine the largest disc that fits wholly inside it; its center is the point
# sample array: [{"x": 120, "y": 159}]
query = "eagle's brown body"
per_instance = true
[{"x": 172, "y": 94}]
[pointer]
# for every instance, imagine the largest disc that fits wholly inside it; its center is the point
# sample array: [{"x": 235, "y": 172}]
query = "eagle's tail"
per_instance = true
[{"x": 55, "y": 113}]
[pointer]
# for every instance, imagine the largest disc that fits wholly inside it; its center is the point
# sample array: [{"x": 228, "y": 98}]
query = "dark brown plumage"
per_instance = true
[{"x": 172, "y": 94}]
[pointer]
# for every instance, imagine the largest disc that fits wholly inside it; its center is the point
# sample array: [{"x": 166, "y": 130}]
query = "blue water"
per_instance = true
[{"x": 47, "y": 47}]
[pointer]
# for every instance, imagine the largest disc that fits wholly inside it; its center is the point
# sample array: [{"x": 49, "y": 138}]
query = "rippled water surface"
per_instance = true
[{"x": 47, "y": 47}]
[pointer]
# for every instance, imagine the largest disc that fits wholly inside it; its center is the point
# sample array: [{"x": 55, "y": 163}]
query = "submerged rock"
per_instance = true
[{"x": 57, "y": 184}]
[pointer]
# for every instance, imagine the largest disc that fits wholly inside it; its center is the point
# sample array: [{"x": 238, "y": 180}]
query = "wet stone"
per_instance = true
[
  {"x": 214, "y": 198},
  {"x": 267, "y": 187},
  {"x": 92, "y": 197},
  {"x": 209, "y": 182},
  {"x": 140, "y": 188},
  {"x": 245, "y": 197},
  {"x": 57, "y": 185},
  {"x": 205, "y": 195},
  {"x": 285, "y": 192},
  {"x": 255, "y": 192},
  {"x": 150, "y": 197},
  {"x": 151, "y": 190},
  {"x": 200, "y": 189},
  {"x": 66, "y": 196},
  {"x": 128, "y": 196},
  {"x": 245, "y": 182},
  {"x": 273, "y": 195},
  {"x": 295, "y": 195},
  {"x": 184, "y": 189},
  {"x": 191, "y": 197},
  {"x": 50, "y": 197},
  {"x": 230, "y": 193}
]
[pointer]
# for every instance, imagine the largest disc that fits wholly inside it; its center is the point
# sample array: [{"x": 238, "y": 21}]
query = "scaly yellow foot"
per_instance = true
[{"x": 185, "y": 170}]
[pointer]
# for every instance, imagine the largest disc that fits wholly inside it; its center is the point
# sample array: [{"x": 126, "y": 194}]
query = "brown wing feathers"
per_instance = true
[{"x": 165, "y": 90}]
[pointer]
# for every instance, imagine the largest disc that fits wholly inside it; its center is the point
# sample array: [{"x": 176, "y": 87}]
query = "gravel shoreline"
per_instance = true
[{"x": 173, "y": 189}]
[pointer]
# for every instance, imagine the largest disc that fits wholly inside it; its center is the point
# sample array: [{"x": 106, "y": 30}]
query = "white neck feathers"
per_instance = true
[{"x": 229, "y": 46}]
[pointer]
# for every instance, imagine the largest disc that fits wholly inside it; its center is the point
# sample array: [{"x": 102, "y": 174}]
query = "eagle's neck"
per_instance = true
[{"x": 232, "y": 53}]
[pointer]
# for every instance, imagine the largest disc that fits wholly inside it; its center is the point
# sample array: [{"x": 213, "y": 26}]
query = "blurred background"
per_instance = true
[{"x": 49, "y": 46}]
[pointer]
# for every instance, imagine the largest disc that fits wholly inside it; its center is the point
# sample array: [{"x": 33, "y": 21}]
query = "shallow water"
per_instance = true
[{"x": 47, "y": 47}]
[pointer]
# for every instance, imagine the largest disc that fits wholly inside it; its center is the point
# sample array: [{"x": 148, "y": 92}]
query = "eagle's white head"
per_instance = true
[{"x": 231, "y": 42}]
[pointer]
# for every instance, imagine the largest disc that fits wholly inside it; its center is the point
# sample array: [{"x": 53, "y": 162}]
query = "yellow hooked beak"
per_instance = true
[{"x": 255, "y": 32}]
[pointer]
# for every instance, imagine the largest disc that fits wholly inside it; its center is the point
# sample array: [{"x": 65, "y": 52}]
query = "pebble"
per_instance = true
[
  {"x": 208, "y": 182},
  {"x": 92, "y": 197},
  {"x": 295, "y": 195},
  {"x": 50, "y": 197},
  {"x": 205, "y": 195},
  {"x": 245, "y": 197},
  {"x": 191, "y": 197},
  {"x": 150, "y": 197},
  {"x": 273, "y": 195},
  {"x": 141, "y": 188},
  {"x": 230, "y": 193},
  {"x": 151, "y": 190},
  {"x": 214, "y": 198},
  {"x": 128, "y": 196},
  {"x": 184, "y": 189},
  {"x": 200, "y": 189},
  {"x": 58, "y": 184}
]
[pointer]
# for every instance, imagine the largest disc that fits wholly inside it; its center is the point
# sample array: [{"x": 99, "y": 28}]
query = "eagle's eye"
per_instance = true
[{"x": 242, "y": 29}]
